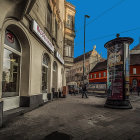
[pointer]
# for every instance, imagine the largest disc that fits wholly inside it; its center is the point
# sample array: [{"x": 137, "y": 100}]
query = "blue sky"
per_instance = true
[{"x": 119, "y": 16}]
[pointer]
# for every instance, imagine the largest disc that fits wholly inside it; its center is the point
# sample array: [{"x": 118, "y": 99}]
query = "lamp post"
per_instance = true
[{"x": 86, "y": 16}]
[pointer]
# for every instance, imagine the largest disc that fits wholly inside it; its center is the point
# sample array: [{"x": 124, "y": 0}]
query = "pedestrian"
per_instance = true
[
  {"x": 138, "y": 90},
  {"x": 131, "y": 89},
  {"x": 73, "y": 91},
  {"x": 84, "y": 92}
]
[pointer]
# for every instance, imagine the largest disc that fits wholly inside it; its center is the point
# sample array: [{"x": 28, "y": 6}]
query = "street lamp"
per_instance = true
[{"x": 86, "y": 16}]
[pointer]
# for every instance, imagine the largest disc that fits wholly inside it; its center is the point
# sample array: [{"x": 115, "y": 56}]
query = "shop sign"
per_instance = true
[
  {"x": 59, "y": 57},
  {"x": 10, "y": 37},
  {"x": 39, "y": 32},
  {"x": 115, "y": 83}
]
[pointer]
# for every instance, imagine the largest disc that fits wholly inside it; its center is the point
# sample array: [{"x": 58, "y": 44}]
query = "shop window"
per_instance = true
[
  {"x": 54, "y": 66},
  {"x": 11, "y": 66},
  {"x": 94, "y": 75},
  {"x": 45, "y": 66},
  {"x": 55, "y": 78},
  {"x": 134, "y": 70}
]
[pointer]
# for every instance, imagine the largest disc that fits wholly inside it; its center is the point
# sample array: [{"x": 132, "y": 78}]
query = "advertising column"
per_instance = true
[{"x": 118, "y": 73}]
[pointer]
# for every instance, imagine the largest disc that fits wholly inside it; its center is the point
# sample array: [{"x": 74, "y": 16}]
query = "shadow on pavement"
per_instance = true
[{"x": 58, "y": 136}]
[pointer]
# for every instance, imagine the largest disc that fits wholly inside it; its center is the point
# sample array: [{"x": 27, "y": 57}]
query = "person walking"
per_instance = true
[
  {"x": 131, "y": 89},
  {"x": 84, "y": 88},
  {"x": 138, "y": 90}
]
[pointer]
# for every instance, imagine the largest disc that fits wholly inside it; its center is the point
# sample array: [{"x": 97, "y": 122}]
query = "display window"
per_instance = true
[
  {"x": 45, "y": 71},
  {"x": 11, "y": 66}
]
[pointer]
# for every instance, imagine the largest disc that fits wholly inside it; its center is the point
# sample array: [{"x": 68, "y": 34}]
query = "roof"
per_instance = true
[
  {"x": 100, "y": 66},
  {"x": 136, "y": 47},
  {"x": 118, "y": 40},
  {"x": 81, "y": 57},
  {"x": 135, "y": 59}
]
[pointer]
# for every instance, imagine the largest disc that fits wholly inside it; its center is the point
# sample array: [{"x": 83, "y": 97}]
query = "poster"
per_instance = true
[{"x": 115, "y": 67}]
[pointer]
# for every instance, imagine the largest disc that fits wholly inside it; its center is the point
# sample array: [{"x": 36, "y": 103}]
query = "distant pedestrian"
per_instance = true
[
  {"x": 73, "y": 91},
  {"x": 131, "y": 89},
  {"x": 84, "y": 92},
  {"x": 138, "y": 90}
]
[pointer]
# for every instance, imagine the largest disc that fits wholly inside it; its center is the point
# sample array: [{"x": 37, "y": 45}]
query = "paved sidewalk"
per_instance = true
[{"x": 82, "y": 119}]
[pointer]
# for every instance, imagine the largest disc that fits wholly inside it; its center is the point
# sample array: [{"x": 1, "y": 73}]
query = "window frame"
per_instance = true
[
  {"x": 49, "y": 15},
  {"x": 134, "y": 71}
]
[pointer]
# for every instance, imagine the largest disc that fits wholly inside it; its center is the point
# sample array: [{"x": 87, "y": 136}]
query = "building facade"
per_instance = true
[
  {"x": 69, "y": 35},
  {"x": 135, "y": 66},
  {"x": 31, "y": 52},
  {"x": 75, "y": 74},
  {"x": 98, "y": 75}
]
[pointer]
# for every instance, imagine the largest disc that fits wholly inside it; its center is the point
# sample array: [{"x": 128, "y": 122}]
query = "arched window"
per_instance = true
[
  {"x": 11, "y": 65},
  {"x": 55, "y": 74},
  {"x": 45, "y": 71},
  {"x": 135, "y": 82},
  {"x": 54, "y": 66}
]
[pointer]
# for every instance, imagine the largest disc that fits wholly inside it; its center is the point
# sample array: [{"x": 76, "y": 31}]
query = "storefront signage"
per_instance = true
[
  {"x": 39, "y": 32},
  {"x": 115, "y": 72},
  {"x": 59, "y": 57},
  {"x": 10, "y": 37}
]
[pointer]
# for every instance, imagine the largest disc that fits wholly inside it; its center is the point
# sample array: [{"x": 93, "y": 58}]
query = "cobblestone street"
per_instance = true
[{"x": 82, "y": 119}]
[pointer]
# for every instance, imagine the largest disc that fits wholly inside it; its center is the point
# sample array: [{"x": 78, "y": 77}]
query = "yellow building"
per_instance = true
[
  {"x": 75, "y": 74},
  {"x": 69, "y": 35}
]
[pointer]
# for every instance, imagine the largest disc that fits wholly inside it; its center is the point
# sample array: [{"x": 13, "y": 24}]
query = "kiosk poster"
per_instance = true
[{"x": 115, "y": 68}]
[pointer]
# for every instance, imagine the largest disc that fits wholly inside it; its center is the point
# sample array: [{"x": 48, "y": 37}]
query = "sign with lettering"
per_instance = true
[
  {"x": 39, "y": 32},
  {"x": 59, "y": 57}
]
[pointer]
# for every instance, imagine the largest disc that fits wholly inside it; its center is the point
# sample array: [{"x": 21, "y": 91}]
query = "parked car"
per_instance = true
[{"x": 73, "y": 88}]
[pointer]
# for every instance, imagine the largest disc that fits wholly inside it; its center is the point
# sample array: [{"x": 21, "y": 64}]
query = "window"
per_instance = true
[
  {"x": 49, "y": 19},
  {"x": 91, "y": 76},
  {"x": 54, "y": 66},
  {"x": 99, "y": 75},
  {"x": 134, "y": 71},
  {"x": 135, "y": 82},
  {"x": 45, "y": 70},
  {"x": 11, "y": 66},
  {"x": 69, "y": 21},
  {"x": 94, "y": 75},
  {"x": 56, "y": 26},
  {"x": 55, "y": 78},
  {"x": 68, "y": 51},
  {"x": 104, "y": 74}
]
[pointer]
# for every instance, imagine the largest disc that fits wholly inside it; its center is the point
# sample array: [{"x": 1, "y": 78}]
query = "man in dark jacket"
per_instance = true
[
  {"x": 138, "y": 90},
  {"x": 84, "y": 88}
]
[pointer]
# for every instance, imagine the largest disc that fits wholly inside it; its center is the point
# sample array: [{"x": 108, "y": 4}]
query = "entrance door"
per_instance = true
[{"x": 135, "y": 83}]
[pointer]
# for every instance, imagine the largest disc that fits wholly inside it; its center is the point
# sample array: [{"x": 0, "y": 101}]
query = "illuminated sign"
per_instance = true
[
  {"x": 39, "y": 32},
  {"x": 10, "y": 37}
]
